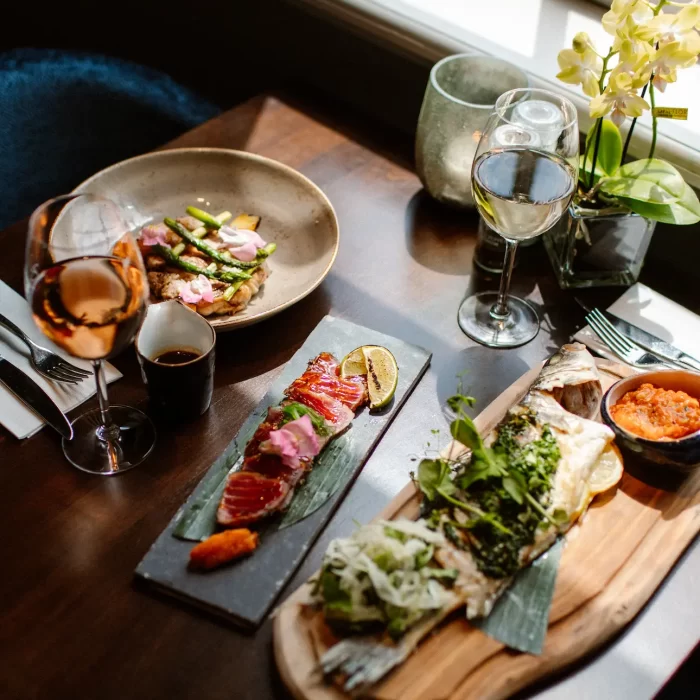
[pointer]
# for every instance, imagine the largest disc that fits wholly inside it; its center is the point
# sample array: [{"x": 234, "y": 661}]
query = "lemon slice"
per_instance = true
[
  {"x": 607, "y": 471},
  {"x": 353, "y": 364},
  {"x": 382, "y": 375}
]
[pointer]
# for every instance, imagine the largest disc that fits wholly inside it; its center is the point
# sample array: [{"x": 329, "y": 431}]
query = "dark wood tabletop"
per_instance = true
[{"x": 74, "y": 622}]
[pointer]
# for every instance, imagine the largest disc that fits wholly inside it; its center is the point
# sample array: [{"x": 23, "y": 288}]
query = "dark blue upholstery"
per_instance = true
[{"x": 64, "y": 116}]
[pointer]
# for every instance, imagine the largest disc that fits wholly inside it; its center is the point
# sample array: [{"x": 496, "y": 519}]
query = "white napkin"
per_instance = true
[
  {"x": 14, "y": 414},
  {"x": 654, "y": 313}
]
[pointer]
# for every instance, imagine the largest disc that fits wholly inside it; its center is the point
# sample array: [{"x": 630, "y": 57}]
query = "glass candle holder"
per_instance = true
[{"x": 458, "y": 101}]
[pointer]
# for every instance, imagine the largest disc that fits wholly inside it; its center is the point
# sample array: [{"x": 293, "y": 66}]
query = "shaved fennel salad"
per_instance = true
[{"x": 384, "y": 575}]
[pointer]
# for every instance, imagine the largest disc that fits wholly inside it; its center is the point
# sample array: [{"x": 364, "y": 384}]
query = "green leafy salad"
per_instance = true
[
  {"x": 383, "y": 575},
  {"x": 493, "y": 504}
]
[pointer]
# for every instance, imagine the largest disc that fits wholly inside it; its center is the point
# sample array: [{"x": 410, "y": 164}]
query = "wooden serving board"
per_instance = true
[{"x": 611, "y": 566}]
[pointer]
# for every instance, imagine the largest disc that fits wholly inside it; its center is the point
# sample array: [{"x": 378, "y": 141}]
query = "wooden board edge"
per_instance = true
[
  {"x": 294, "y": 653},
  {"x": 616, "y": 609}
]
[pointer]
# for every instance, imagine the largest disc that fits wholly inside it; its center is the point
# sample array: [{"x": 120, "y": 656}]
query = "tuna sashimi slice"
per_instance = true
[
  {"x": 321, "y": 376},
  {"x": 264, "y": 484},
  {"x": 271, "y": 466},
  {"x": 335, "y": 412},
  {"x": 249, "y": 496}
]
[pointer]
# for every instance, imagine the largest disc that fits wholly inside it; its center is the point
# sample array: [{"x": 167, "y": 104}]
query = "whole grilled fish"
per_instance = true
[{"x": 562, "y": 400}]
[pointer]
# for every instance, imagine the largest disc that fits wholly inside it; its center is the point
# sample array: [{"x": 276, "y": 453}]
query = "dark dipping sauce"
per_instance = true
[
  {"x": 176, "y": 357},
  {"x": 180, "y": 383}
]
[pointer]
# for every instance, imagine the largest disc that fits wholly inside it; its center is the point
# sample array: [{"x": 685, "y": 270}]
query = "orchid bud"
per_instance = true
[{"x": 582, "y": 42}]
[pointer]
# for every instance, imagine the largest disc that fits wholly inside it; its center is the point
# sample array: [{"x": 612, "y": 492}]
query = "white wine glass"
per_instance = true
[
  {"x": 86, "y": 284},
  {"x": 524, "y": 176}
]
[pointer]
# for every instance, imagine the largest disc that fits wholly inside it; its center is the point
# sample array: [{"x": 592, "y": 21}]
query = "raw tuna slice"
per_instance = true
[
  {"x": 249, "y": 496},
  {"x": 264, "y": 484},
  {"x": 321, "y": 377},
  {"x": 335, "y": 412}
]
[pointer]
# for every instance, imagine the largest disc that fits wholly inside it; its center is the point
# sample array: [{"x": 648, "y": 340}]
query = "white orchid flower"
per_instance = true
[
  {"x": 666, "y": 62},
  {"x": 620, "y": 100},
  {"x": 581, "y": 69},
  {"x": 667, "y": 28},
  {"x": 582, "y": 42},
  {"x": 634, "y": 59},
  {"x": 625, "y": 16}
]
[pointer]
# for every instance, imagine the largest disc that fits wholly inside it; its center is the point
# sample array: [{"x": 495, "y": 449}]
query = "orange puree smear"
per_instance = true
[{"x": 657, "y": 414}]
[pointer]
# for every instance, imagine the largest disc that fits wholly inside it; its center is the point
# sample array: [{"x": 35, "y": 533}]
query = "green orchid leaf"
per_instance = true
[
  {"x": 584, "y": 172},
  {"x": 609, "y": 150},
  {"x": 684, "y": 211},
  {"x": 649, "y": 180}
]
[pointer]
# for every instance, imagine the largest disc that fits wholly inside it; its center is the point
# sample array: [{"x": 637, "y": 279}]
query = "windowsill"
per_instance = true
[{"x": 524, "y": 40}]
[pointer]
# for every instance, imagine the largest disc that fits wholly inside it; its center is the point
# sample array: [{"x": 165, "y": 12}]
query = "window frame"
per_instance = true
[{"x": 410, "y": 34}]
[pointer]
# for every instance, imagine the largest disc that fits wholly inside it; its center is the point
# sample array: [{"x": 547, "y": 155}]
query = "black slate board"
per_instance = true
[{"x": 244, "y": 591}]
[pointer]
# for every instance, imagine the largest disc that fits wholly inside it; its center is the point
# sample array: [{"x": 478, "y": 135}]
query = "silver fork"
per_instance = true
[
  {"x": 45, "y": 362},
  {"x": 627, "y": 350}
]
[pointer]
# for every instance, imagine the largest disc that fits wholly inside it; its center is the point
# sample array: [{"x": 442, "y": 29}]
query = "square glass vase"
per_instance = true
[{"x": 598, "y": 247}]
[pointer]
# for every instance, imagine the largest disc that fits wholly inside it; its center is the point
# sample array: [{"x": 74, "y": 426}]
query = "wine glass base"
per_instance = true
[
  {"x": 475, "y": 318},
  {"x": 88, "y": 452}
]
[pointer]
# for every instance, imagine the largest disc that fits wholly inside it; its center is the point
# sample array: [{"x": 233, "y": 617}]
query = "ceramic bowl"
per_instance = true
[
  {"x": 682, "y": 455},
  {"x": 295, "y": 213}
]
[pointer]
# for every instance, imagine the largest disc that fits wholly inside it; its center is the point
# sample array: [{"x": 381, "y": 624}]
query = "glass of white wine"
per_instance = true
[
  {"x": 524, "y": 176},
  {"x": 86, "y": 284}
]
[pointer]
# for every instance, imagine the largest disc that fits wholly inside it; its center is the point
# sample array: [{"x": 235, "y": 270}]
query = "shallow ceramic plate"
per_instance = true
[{"x": 295, "y": 213}]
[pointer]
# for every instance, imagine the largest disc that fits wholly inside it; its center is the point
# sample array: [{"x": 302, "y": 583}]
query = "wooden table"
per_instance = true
[{"x": 74, "y": 624}]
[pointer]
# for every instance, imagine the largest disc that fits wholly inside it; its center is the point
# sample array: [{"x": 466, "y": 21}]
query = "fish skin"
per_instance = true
[{"x": 570, "y": 378}]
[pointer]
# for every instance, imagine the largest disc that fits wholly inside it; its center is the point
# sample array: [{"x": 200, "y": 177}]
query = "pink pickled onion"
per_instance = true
[
  {"x": 241, "y": 243},
  {"x": 197, "y": 290},
  {"x": 246, "y": 253},
  {"x": 293, "y": 442}
]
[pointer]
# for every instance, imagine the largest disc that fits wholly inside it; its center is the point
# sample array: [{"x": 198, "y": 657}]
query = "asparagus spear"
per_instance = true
[
  {"x": 197, "y": 243},
  {"x": 231, "y": 291},
  {"x": 224, "y": 276},
  {"x": 204, "y": 217},
  {"x": 179, "y": 249},
  {"x": 263, "y": 253},
  {"x": 221, "y": 218}
]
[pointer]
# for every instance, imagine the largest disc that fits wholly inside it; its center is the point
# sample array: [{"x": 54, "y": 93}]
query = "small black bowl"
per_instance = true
[{"x": 682, "y": 455}]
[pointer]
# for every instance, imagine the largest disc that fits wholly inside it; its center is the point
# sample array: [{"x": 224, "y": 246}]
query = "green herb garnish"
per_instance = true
[
  {"x": 293, "y": 411},
  {"x": 501, "y": 488}
]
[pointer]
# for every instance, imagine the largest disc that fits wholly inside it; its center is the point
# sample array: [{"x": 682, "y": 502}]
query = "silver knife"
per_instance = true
[
  {"x": 653, "y": 344},
  {"x": 30, "y": 393}
]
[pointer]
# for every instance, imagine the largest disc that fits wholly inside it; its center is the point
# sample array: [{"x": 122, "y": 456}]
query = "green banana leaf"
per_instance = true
[{"x": 521, "y": 616}]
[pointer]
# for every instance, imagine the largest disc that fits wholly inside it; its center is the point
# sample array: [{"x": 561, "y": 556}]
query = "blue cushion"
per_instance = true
[{"x": 63, "y": 116}]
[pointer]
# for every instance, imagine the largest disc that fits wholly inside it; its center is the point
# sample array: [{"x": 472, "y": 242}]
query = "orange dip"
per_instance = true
[{"x": 657, "y": 414}]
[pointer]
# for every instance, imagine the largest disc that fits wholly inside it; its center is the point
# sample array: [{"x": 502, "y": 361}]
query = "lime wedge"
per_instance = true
[
  {"x": 382, "y": 375},
  {"x": 353, "y": 364}
]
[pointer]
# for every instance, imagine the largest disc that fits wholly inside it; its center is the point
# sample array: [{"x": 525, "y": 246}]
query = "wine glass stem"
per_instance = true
[
  {"x": 107, "y": 431},
  {"x": 500, "y": 308}
]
